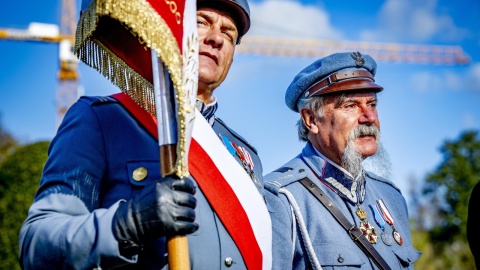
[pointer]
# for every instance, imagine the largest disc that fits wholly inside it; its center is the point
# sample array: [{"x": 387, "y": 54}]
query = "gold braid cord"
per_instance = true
[{"x": 143, "y": 22}]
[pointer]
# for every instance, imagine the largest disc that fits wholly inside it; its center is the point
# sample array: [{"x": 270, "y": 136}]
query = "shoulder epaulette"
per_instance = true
[
  {"x": 383, "y": 180},
  {"x": 95, "y": 100},
  {"x": 291, "y": 172},
  {"x": 236, "y": 134}
]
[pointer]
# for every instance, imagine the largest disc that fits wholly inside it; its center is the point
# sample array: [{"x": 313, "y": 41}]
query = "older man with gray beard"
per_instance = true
[{"x": 328, "y": 211}]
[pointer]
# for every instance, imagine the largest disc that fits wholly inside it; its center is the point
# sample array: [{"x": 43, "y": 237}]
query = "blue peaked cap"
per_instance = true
[{"x": 338, "y": 72}]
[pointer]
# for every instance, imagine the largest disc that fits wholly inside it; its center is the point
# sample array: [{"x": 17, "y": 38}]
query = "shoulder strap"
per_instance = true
[{"x": 352, "y": 230}]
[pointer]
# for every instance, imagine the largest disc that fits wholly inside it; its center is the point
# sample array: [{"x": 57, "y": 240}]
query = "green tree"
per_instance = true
[
  {"x": 448, "y": 191},
  {"x": 19, "y": 179},
  {"x": 7, "y": 143}
]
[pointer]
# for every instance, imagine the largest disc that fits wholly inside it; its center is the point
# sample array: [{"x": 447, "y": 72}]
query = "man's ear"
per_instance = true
[{"x": 308, "y": 118}]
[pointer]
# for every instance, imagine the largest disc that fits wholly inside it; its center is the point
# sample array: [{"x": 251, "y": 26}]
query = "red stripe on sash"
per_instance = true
[
  {"x": 225, "y": 203},
  {"x": 215, "y": 187}
]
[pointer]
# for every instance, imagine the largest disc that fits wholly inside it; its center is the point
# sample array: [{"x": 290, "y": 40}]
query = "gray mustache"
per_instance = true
[{"x": 365, "y": 130}]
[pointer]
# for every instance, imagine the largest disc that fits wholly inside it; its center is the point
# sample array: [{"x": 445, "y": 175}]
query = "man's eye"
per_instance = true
[{"x": 228, "y": 35}]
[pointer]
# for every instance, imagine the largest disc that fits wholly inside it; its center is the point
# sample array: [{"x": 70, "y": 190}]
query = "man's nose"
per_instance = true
[
  {"x": 214, "y": 38},
  {"x": 369, "y": 116}
]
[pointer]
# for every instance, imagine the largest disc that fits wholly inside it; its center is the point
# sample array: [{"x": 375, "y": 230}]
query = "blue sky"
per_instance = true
[{"x": 420, "y": 108}]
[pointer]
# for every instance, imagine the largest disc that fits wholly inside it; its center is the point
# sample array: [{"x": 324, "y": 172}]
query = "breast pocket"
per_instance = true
[
  {"x": 407, "y": 255},
  {"x": 336, "y": 255}
]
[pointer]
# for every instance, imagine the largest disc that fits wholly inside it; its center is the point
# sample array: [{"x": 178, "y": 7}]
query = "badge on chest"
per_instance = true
[{"x": 244, "y": 157}]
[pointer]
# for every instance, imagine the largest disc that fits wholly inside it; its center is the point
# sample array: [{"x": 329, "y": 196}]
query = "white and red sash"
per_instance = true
[{"x": 227, "y": 187}]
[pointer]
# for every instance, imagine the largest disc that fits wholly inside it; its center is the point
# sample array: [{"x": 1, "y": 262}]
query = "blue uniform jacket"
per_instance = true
[
  {"x": 332, "y": 244},
  {"x": 88, "y": 172}
]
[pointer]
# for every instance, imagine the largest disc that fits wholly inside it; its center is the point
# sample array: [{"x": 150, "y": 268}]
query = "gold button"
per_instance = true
[{"x": 139, "y": 174}]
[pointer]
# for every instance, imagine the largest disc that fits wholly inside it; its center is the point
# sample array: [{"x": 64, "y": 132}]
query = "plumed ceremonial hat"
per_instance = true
[{"x": 338, "y": 72}]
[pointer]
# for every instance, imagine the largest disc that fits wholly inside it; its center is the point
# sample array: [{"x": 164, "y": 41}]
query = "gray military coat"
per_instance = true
[{"x": 332, "y": 246}]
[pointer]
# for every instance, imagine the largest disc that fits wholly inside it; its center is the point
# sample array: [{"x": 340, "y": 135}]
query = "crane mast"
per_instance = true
[
  {"x": 67, "y": 90},
  {"x": 63, "y": 35},
  {"x": 381, "y": 52}
]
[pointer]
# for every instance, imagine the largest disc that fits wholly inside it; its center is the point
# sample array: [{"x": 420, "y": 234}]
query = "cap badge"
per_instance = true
[{"x": 359, "y": 61}]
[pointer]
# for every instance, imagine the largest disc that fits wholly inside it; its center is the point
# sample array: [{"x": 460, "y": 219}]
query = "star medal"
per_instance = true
[
  {"x": 367, "y": 230},
  {"x": 381, "y": 223},
  {"x": 389, "y": 219}
]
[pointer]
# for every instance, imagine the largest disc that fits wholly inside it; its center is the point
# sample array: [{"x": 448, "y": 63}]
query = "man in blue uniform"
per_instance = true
[
  {"x": 102, "y": 204},
  {"x": 327, "y": 210}
]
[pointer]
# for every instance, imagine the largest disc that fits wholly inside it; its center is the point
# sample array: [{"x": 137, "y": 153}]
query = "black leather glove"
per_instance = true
[{"x": 163, "y": 208}]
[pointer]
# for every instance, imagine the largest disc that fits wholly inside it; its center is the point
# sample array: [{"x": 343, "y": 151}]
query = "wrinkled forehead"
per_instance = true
[
  {"x": 339, "y": 98},
  {"x": 213, "y": 13},
  {"x": 220, "y": 9}
]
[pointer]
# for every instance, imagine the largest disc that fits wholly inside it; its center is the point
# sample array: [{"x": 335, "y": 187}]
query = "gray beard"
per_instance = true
[
  {"x": 354, "y": 163},
  {"x": 380, "y": 163},
  {"x": 352, "y": 160}
]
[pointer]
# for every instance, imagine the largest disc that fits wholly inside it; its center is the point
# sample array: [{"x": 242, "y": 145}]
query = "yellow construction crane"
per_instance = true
[
  {"x": 67, "y": 90},
  {"x": 382, "y": 52}
]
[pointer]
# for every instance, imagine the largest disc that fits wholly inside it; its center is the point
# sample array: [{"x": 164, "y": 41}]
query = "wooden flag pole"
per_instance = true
[{"x": 177, "y": 246}]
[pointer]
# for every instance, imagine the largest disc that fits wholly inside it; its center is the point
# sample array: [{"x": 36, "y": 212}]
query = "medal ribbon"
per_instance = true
[
  {"x": 377, "y": 216},
  {"x": 239, "y": 153},
  {"x": 385, "y": 212},
  {"x": 227, "y": 144}
]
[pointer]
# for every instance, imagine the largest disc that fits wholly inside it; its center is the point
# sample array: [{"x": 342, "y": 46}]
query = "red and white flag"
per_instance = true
[{"x": 116, "y": 37}]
